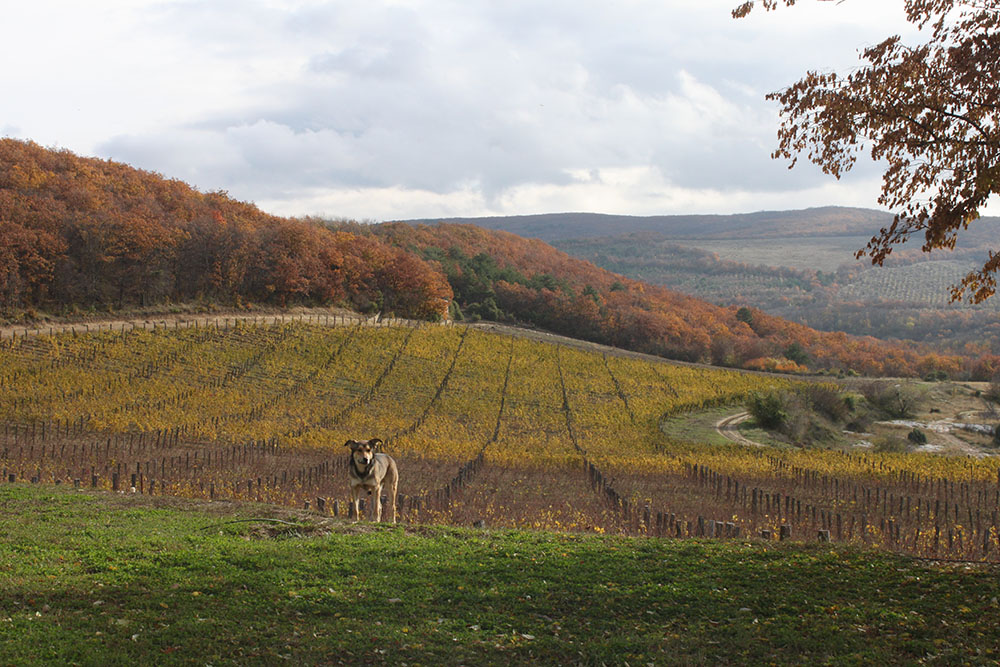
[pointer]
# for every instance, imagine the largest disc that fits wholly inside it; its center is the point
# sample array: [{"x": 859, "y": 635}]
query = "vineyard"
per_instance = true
[{"x": 486, "y": 428}]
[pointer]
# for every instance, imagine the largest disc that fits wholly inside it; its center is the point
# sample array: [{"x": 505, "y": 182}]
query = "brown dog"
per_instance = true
[{"x": 369, "y": 471}]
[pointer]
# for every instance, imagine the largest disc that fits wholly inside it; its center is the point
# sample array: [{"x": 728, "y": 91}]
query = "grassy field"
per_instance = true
[{"x": 98, "y": 578}]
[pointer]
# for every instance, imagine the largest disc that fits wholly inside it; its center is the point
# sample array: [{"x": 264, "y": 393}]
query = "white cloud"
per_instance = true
[{"x": 400, "y": 109}]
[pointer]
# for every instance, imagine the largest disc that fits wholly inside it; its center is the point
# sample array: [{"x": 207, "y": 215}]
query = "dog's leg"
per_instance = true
[
  {"x": 355, "y": 496},
  {"x": 377, "y": 503},
  {"x": 393, "y": 479}
]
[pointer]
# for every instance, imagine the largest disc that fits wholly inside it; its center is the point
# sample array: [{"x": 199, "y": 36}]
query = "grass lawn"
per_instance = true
[{"x": 90, "y": 578}]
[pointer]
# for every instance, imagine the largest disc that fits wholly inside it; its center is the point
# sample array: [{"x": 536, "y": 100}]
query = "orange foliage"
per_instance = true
[{"x": 83, "y": 231}]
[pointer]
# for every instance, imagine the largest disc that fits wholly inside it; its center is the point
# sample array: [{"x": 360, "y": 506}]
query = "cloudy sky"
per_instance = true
[{"x": 379, "y": 110}]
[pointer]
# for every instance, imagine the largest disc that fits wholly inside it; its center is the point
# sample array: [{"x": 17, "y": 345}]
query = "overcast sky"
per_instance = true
[{"x": 381, "y": 110}]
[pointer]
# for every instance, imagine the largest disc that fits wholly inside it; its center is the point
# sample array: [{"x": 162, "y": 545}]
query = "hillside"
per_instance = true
[
  {"x": 81, "y": 233},
  {"x": 497, "y": 275},
  {"x": 84, "y": 234},
  {"x": 806, "y": 280},
  {"x": 507, "y": 431},
  {"x": 798, "y": 265}
]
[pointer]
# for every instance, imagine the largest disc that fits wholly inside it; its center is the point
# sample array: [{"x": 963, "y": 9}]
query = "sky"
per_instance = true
[{"x": 381, "y": 110}]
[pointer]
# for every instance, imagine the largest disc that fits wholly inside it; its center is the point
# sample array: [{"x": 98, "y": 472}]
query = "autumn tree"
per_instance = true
[
  {"x": 27, "y": 263},
  {"x": 930, "y": 112}
]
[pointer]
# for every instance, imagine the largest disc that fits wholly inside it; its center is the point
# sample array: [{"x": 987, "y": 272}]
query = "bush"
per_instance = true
[
  {"x": 860, "y": 423},
  {"x": 828, "y": 401},
  {"x": 894, "y": 400},
  {"x": 917, "y": 437},
  {"x": 769, "y": 410},
  {"x": 993, "y": 391}
]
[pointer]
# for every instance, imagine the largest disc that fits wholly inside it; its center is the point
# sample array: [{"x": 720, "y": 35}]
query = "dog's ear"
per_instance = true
[
  {"x": 351, "y": 443},
  {"x": 376, "y": 443}
]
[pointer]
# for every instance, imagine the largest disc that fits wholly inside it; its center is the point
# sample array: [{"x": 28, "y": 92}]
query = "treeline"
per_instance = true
[
  {"x": 95, "y": 233},
  {"x": 498, "y": 275}
]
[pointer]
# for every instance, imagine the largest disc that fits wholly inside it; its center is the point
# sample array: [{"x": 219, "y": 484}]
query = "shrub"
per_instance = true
[
  {"x": 917, "y": 437},
  {"x": 860, "y": 423},
  {"x": 769, "y": 409},
  {"x": 828, "y": 401},
  {"x": 893, "y": 399},
  {"x": 993, "y": 391}
]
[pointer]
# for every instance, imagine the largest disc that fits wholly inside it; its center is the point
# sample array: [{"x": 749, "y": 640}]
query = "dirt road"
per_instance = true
[{"x": 728, "y": 427}]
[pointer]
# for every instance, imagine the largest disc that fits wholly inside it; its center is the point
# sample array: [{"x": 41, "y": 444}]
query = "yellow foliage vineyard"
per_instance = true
[{"x": 508, "y": 431}]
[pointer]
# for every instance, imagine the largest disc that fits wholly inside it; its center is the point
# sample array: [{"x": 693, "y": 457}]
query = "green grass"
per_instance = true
[
  {"x": 97, "y": 579},
  {"x": 698, "y": 426},
  {"x": 751, "y": 431}
]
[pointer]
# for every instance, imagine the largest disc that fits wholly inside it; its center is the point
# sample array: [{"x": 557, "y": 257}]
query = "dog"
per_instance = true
[{"x": 369, "y": 471}]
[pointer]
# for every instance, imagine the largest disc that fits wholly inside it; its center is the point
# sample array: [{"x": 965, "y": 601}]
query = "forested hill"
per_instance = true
[
  {"x": 84, "y": 232},
  {"x": 79, "y": 232},
  {"x": 497, "y": 275}
]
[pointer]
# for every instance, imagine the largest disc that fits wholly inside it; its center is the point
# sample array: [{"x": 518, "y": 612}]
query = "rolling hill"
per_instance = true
[
  {"x": 82, "y": 233},
  {"x": 798, "y": 265},
  {"x": 79, "y": 233}
]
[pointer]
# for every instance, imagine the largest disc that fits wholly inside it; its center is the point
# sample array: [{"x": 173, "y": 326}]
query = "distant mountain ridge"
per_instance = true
[{"x": 821, "y": 221}]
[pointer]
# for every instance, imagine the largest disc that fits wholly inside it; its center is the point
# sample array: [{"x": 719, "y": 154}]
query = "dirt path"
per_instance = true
[{"x": 728, "y": 427}]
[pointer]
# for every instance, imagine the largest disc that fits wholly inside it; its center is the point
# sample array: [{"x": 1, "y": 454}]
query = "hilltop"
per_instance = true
[
  {"x": 82, "y": 233},
  {"x": 818, "y": 222}
]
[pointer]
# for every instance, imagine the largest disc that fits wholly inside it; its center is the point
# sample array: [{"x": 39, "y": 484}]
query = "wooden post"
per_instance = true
[{"x": 785, "y": 532}]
